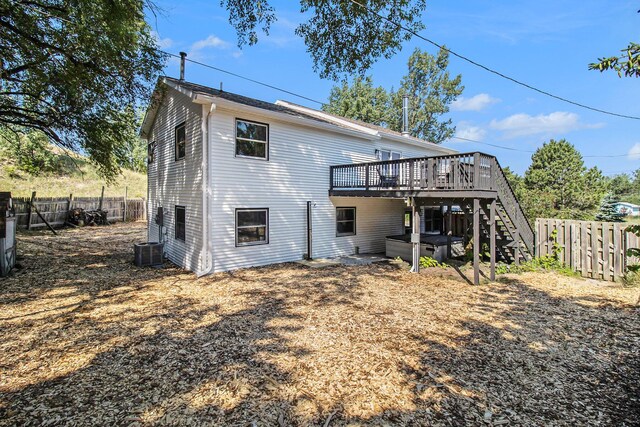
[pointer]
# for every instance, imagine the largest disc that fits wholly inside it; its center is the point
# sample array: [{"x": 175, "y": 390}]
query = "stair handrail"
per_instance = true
[{"x": 519, "y": 216}]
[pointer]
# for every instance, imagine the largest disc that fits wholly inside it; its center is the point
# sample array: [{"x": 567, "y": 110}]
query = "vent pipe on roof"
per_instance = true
[
  {"x": 405, "y": 115},
  {"x": 183, "y": 56}
]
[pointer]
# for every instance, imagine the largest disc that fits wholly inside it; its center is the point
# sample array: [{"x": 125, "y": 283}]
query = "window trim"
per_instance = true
[
  {"x": 175, "y": 141},
  {"x": 354, "y": 221},
  {"x": 391, "y": 153},
  {"x": 235, "y": 139},
  {"x": 235, "y": 228},
  {"x": 151, "y": 152},
  {"x": 175, "y": 225}
]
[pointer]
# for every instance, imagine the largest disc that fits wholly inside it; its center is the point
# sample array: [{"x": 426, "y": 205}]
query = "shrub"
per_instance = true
[{"x": 427, "y": 262}]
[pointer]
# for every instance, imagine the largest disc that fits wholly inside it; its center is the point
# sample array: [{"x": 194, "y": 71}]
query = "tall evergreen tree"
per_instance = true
[
  {"x": 608, "y": 210},
  {"x": 557, "y": 173}
]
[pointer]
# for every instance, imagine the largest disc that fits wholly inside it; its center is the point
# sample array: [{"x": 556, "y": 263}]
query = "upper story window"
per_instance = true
[
  {"x": 252, "y": 139},
  {"x": 388, "y": 155},
  {"x": 151, "y": 152},
  {"x": 181, "y": 141}
]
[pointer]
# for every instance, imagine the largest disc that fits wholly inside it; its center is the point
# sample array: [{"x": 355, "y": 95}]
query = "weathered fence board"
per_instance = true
[
  {"x": 56, "y": 209},
  {"x": 593, "y": 249}
]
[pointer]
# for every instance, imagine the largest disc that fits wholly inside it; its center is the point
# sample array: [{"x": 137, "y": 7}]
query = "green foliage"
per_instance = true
[
  {"x": 430, "y": 89},
  {"x": 625, "y": 187},
  {"x": 29, "y": 152},
  {"x": 633, "y": 274},
  {"x": 359, "y": 101},
  {"x": 428, "y": 262},
  {"x": 341, "y": 36},
  {"x": 627, "y": 64},
  {"x": 70, "y": 69},
  {"x": 608, "y": 210},
  {"x": 558, "y": 185}
]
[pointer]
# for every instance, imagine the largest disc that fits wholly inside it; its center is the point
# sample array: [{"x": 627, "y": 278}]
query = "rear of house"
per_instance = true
[{"x": 235, "y": 177}]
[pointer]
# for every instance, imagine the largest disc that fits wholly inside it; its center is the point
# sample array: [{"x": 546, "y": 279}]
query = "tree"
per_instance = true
[
  {"x": 359, "y": 101},
  {"x": 628, "y": 63},
  {"x": 73, "y": 70},
  {"x": 430, "y": 91},
  {"x": 557, "y": 173},
  {"x": 341, "y": 35},
  {"x": 609, "y": 210}
]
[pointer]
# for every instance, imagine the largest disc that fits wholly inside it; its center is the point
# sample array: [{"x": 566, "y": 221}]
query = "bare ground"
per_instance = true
[{"x": 86, "y": 338}]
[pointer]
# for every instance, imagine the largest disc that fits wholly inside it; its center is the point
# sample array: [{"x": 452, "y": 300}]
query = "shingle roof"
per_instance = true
[
  {"x": 245, "y": 100},
  {"x": 292, "y": 109}
]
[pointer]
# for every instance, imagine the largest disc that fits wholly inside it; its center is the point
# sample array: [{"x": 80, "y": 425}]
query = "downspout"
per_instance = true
[{"x": 206, "y": 255}]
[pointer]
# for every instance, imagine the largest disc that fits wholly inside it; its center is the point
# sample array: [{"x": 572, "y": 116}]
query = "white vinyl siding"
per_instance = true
[
  {"x": 297, "y": 172},
  {"x": 174, "y": 183}
]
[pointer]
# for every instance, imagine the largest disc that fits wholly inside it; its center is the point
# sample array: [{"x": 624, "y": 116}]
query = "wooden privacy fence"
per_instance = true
[
  {"x": 56, "y": 209},
  {"x": 594, "y": 249}
]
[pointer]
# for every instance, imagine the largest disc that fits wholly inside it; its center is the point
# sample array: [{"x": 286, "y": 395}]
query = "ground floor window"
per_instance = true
[
  {"x": 432, "y": 220},
  {"x": 345, "y": 221},
  {"x": 181, "y": 227},
  {"x": 252, "y": 226}
]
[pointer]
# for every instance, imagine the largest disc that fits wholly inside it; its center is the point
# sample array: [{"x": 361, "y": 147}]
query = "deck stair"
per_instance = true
[{"x": 459, "y": 178}]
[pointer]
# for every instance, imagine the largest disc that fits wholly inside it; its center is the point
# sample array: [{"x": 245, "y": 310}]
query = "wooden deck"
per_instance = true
[{"x": 474, "y": 181}]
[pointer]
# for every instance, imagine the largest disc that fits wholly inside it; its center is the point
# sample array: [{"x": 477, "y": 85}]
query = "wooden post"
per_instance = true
[
  {"x": 449, "y": 231},
  {"x": 476, "y": 241},
  {"x": 516, "y": 241},
  {"x": 492, "y": 238},
  {"x": 101, "y": 197},
  {"x": 33, "y": 196},
  {"x": 476, "y": 170},
  {"x": 415, "y": 236},
  {"x": 124, "y": 214}
]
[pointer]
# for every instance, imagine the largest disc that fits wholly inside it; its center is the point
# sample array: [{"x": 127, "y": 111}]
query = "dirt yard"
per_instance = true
[{"x": 86, "y": 338}]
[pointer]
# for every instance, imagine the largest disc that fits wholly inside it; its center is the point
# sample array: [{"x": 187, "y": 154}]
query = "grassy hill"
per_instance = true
[{"x": 77, "y": 176}]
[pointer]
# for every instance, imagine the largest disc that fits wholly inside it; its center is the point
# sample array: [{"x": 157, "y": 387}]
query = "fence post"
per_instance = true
[
  {"x": 124, "y": 214},
  {"x": 33, "y": 196},
  {"x": 101, "y": 197}
]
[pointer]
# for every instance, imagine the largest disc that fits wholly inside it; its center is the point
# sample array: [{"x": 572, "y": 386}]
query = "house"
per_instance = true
[
  {"x": 239, "y": 182},
  {"x": 628, "y": 209}
]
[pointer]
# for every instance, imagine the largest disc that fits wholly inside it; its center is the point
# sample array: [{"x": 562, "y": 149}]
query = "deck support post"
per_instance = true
[
  {"x": 449, "y": 231},
  {"x": 476, "y": 241},
  {"x": 492, "y": 239},
  {"x": 415, "y": 236}
]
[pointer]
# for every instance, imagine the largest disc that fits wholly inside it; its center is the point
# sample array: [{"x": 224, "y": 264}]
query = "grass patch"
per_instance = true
[{"x": 77, "y": 176}]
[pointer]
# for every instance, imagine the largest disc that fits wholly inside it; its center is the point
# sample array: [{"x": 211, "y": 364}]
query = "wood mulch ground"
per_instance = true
[{"x": 86, "y": 338}]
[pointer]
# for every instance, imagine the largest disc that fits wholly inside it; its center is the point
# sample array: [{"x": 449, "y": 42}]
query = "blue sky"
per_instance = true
[{"x": 546, "y": 44}]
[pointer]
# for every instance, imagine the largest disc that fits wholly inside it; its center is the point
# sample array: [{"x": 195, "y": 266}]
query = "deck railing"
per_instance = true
[
  {"x": 469, "y": 171},
  {"x": 462, "y": 172}
]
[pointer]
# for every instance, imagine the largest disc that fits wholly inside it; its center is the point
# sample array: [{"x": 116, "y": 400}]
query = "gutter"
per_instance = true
[{"x": 206, "y": 254}]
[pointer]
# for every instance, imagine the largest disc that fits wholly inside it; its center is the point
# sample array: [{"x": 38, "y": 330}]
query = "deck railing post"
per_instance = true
[
  {"x": 331, "y": 177},
  {"x": 411, "y": 174},
  {"x": 366, "y": 177},
  {"x": 476, "y": 170},
  {"x": 430, "y": 173}
]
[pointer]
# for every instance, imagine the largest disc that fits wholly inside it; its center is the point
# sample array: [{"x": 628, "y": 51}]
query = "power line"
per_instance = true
[
  {"x": 504, "y": 76},
  {"x": 245, "y": 78},
  {"x": 530, "y": 151}
]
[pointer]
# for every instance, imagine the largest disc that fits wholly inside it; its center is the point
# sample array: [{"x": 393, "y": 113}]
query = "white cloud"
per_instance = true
[
  {"x": 467, "y": 131},
  {"x": 163, "y": 43},
  {"x": 476, "y": 103},
  {"x": 558, "y": 122},
  {"x": 634, "y": 152},
  {"x": 211, "y": 41}
]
